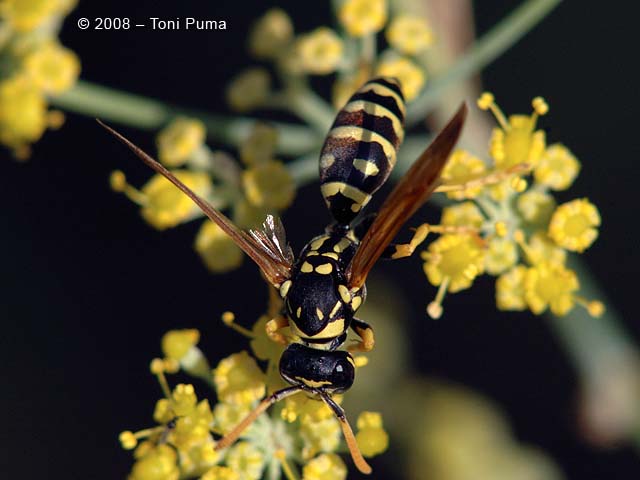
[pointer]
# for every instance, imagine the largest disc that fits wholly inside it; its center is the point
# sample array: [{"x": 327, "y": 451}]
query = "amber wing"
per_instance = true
[
  {"x": 268, "y": 249},
  {"x": 411, "y": 192}
]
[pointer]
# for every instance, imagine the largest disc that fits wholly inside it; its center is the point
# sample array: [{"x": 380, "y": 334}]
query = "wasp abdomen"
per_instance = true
[{"x": 360, "y": 150}]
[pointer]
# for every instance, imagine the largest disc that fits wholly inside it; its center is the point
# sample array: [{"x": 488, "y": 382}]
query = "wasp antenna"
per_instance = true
[
  {"x": 275, "y": 397},
  {"x": 356, "y": 455}
]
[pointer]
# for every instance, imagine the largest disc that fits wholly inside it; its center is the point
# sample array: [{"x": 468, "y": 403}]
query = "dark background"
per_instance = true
[{"x": 88, "y": 288}]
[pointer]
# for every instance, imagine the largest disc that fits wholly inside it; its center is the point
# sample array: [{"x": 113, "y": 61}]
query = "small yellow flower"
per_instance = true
[
  {"x": 165, "y": 206},
  {"x": 183, "y": 399},
  {"x": 363, "y": 17},
  {"x": 409, "y": 35},
  {"x": 327, "y": 466},
  {"x": 23, "y": 112},
  {"x": 217, "y": 250},
  {"x": 193, "y": 428},
  {"x": 261, "y": 345},
  {"x": 516, "y": 140},
  {"x": 320, "y": 51},
  {"x": 510, "y": 289},
  {"x": 271, "y": 34},
  {"x": 536, "y": 207},
  {"x": 128, "y": 440},
  {"x": 52, "y": 68},
  {"x": 220, "y": 472},
  {"x": 260, "y": 146},
  {"x": 249, "y": 89},
  {"x": 372, "y": 438},
  {"x": 574, "y": 225},
  {"x": 269, "y": 185},
  {"x": 454, "y": 257},
  {"x": 558, "y": 168},
  {"x": 320, "y": 436},
  {"x": 25, "y": 15},
  {"x": 227, "y": 416},
  {"x": 305, "y": 408},
  {"x": 461, "y": 168},
  {"x": 411, "y": 76},
  {"x": 176, "y": 343},
  {"x": 159, "y": 463},
  {"x": 464, "y": 214},
  {"x": 501, "y": 255},
  {"x": 199, "y": 458},
  {"x": 238, "y": 379},
  {"x": 163, "y": 412},
  {"x": 180, "y": 140},
  {"x": 541, "y": 248},
  {"x": 246, "y": 460},
  {"x": 550, "y": 285}
]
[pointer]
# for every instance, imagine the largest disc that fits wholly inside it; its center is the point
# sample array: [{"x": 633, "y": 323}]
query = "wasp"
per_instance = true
[{"x": 323, "y": 288}]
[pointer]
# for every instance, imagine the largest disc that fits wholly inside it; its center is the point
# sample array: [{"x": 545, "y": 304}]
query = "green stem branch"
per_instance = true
[{"x": 501, "y": 37}]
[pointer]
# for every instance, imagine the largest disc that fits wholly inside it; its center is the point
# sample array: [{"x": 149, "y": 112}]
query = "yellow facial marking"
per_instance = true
[
  {"x": 341, "y": 246},
  {"x": 306, "y": 268},
  {"x": 319, "y": 314},
  {"x": 366, "y": 167},
  {"x": 313, "y": 383},
  {"x": 324, "y": 269},
  {"x": 284, "y": 288},
  {"x": 344, "y": 293},
  {"x": 336, "y": 307},
  {"x": 356, "y": 302},
  {"x": 331, "y": 255},
  {"x": 350, "y": 360},
  {"x": 316, "y": 244}
]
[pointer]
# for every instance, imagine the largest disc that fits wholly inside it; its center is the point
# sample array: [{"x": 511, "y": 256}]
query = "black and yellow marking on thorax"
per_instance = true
[{"x": 361, "y": 147}]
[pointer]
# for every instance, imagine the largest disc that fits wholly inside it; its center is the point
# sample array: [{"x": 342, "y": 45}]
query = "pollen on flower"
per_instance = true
[
  {"x": 217, "y": 250},
  {"x": 541, "y": 248},
  {"x": 558, "y": 168},
  {"x": 363, "y": 17},
  {"x": 165, "y": 206},
  {"x": 462, "y": 214},
  {"x": 319, "y": 435},
  {"x": 228, "y": 415},
  {"x": 249, "y": 89},
  {"x": 456, "y": 257},
  {"x": 271, "y": 34},
  {"x": 176, "y": 343},
  {"x": 179, "y": 140},
  {"x": 238, "y": 379},
  {"x": 247, "y": 460},
  {"x": 52, "y": 67},
  {"x": 23, "y": 112},
  {"x": 536, "y": 207},
  {"x": 320, "y": 51},
  {"x": 462, "y": 167},
  {"x": 501, "y": 254},
  {"x": 128, "y": 440},
  {"x": 163, "y": 412},
  {"x": 550, "y": 285},
  {"x": 510, "y": 289},
  {"x": 118, "y": 181},
  {"x": 220, "y": 472},
  {"x": 26, "y": 15},
  {"x": 269, "y": 185},
  {"x": 183, "y": 399},
  {"x": 159, "y": 463},
  {"x": 327, "y": 466},
  {"x": 371, "y": 437},
  {"x": 409, "y": 35},
  {"x": 574, "y": 225},
  {"x": 595, "y": 308},
  {"x": 412, "y": 78}
]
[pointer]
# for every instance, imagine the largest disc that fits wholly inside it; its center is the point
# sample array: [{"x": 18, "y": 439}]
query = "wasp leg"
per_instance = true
[
  {"x": 491, "y": 178},
  {"x": 365, "y": 332},
  {"x": 402, "y": 250},
  {"x": 276, "y": 323}
]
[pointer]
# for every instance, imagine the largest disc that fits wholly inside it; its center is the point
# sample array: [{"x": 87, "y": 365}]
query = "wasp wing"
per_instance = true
[
  {"x": 273, "y": 257},
  {"x": 411, "y": 192}
]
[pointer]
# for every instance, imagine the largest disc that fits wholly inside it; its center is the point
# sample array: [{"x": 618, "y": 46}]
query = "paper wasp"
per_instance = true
[{"x": 324, "y": 287}]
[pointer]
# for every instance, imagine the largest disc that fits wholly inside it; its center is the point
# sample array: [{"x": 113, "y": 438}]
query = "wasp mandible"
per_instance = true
[{"x": 323, "y": 288}]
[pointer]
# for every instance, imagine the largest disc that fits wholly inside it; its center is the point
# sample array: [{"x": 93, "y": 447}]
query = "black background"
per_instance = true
[{"x": 88, "y": 289}]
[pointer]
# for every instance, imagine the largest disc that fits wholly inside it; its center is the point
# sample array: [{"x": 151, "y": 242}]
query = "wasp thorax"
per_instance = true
[{"x": 330, "y": 372}]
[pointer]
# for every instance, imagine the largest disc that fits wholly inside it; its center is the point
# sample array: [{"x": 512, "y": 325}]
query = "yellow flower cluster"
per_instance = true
[
  {"x": 300, "y": 430},
  {"x": 507, "y": 222},
  {"x": 264, "y": 186},
  {"x": 37, "y": 67},
  {"x": 349, "y": 52}
]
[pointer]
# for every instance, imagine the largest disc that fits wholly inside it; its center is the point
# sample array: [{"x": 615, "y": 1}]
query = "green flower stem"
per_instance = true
[
  {"x": 500, "y": 38},
  {"x": 312, "y": 109},
  {"x": 137, "y": 111}
]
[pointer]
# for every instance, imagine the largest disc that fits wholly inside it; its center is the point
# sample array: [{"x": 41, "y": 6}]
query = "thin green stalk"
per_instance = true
[
  {"x": 500, "y": 38},
  {"x": 137, "y": 111}
]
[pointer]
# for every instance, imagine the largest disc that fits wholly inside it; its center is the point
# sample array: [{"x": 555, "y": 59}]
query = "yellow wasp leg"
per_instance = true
[
  {"x": 277, "y": 323},
  {"x": 403, "y": 250},
  {"x": 365, "y": 332}
]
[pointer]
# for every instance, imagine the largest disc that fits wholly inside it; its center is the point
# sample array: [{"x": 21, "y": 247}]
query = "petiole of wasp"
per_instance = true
[{"x": 323, "y": 288}]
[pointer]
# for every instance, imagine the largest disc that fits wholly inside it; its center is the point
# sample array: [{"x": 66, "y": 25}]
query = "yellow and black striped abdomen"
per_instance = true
[{"x": 360, "y": 150}]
